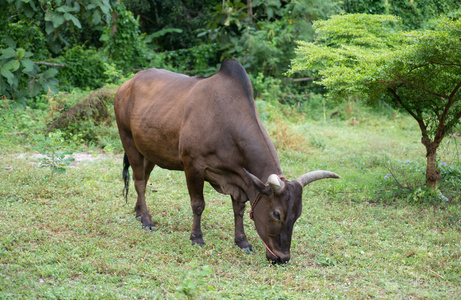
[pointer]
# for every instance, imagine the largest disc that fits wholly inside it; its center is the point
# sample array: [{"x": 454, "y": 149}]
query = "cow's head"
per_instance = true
[{"x": 279, "y": 206}]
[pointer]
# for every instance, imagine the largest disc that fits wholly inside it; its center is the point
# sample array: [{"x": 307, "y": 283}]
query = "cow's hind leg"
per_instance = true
[
  {"x": 137, "y": 163},
  {"x": 195, "y": 182},
  {"x": 240, "y": 236}
]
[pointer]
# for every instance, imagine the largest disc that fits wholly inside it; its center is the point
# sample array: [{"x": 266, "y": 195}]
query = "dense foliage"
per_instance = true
[
  {"x": 36, "y": 30},
  {"x": 415, "y": 14},
  {"x": 45, "y": 45}
]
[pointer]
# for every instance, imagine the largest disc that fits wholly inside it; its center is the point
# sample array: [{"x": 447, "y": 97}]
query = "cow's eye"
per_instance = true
[{"x": 276, "y": 214}]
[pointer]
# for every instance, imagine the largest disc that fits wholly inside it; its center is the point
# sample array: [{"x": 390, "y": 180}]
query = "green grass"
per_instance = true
[{"x": 73, "y": 237}]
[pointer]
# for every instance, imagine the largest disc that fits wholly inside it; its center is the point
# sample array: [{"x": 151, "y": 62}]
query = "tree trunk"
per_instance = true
[
  {"x": 114, "y": 21},
  {"x": 432, "y": 171},
  {"x": 250, "y": 11}
]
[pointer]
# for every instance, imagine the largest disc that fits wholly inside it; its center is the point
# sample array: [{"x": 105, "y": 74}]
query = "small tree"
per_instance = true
[{"x": 370, "y": 57}]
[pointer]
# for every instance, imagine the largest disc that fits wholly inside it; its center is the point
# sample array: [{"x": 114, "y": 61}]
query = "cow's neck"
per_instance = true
[
  {"x": 262, "y": 169},
  {"x": 261, "y": 158}
]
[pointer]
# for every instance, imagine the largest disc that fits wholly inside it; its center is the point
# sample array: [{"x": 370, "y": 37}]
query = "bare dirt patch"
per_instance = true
[{"x": 80, "y": 157}]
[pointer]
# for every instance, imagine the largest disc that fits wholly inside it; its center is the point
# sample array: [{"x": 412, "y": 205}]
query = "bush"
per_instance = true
[
  {"x": 20, "y": 76},
  {"x": 84, "y": 68},
  {"x": 53, "y": 155},
  {"x": 126, "y": 46},
  {"x": 16, "y": 119},
  {"x": 201, "y": 59},
  {"x": 28, "y": 37}
]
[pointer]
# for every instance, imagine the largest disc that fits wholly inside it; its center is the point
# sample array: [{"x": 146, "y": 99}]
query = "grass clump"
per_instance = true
[{"x": 83, "y": 119}]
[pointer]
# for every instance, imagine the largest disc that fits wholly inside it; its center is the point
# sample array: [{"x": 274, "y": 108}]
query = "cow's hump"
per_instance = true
[{"x": 234, "y": 70}]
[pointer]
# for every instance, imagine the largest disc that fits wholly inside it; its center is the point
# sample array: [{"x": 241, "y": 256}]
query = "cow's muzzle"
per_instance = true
[{"x": 279, "y": 260}]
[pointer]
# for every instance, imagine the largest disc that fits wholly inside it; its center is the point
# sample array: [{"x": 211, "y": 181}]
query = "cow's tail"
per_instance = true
[{"x": 126, "y": 176}]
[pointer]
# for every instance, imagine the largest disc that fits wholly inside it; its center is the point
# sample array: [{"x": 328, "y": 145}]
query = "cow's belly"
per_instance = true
[{"x": 160, "y": 152}]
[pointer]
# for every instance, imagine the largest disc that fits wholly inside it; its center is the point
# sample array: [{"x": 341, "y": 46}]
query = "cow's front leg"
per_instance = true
[
  {"x": 240, "y": 237},
  {"x": 195, "y": 182},
  {"x": 147, "y": 223}
]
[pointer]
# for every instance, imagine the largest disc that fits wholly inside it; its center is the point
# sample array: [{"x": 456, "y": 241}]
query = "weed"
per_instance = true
[
  {"x": 325, "y": 261},
  {"x": 195, "y": 281},
  {"x": 318, "y": 141},
  {"x": 54, "y": 157},
  {"x": 285, "y": 138},
  {"x": 454, "y": 217}
]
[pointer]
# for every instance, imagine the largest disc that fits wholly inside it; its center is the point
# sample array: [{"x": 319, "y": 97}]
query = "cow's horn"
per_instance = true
[
  {"x": 315, "y": 175},
  {"x": 275, "y": 183}
]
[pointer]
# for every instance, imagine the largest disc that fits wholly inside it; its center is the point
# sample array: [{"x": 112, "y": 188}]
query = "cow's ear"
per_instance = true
[{"x": 258, "y": 183}]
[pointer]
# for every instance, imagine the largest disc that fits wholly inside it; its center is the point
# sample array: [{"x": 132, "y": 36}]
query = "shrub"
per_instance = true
[
  {"x": 126, "y": 46},
  {"x": 20, "y": 77},
  {"x": 16, "y": 119},
  {"x": 84, "y": 68}
]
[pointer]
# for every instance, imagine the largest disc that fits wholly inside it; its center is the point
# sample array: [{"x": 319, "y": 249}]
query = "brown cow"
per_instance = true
[{"x": 210, "y": 129}]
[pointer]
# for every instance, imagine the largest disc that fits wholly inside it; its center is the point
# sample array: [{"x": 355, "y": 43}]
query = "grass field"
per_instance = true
[{"x": 72, "y": 236}]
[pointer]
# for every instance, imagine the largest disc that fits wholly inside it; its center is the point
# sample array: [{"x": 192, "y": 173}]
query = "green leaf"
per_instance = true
[
  {"x": 20, "y": 53},
  {"x": 50, "y": 73},
  {"x": 29, "y": 10},
  {"x": 33, "y": 87},
  {"x": 104, "y": 37},
  {"x": 74, "y": 20},
  {"x": 76, "y": 6},
  {"x": 28, "y": 54},
  {"x": 10, "y": 42},
  {"x": 8, "y": 75},
  {"x": 49, "y": 27},
  {"x": 48, "y": 16},
  {"x": 96, "y": 18},
  {"x": 28, "y": 65},
  {"x": 161, "y": 32},
  {"x": 105, "y": 8},
  {"x": 49, "y": 85},
  {"x": 65, "y": 9},
  {"x": 55, "y": 18},
  {"x": 7, "y": 53},
  {"x": 58, "y": 20},
  {"x": 12, "y": 65}
]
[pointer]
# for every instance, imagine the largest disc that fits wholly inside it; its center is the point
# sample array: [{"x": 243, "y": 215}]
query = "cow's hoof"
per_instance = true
[
  {"x": 248, "y": 250},
  {"x": 201, "y": 244},
  {"x": 197, "y": 239},
  {"x": 146, "y": 222},
  {"x": 149, "y": 227}
]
